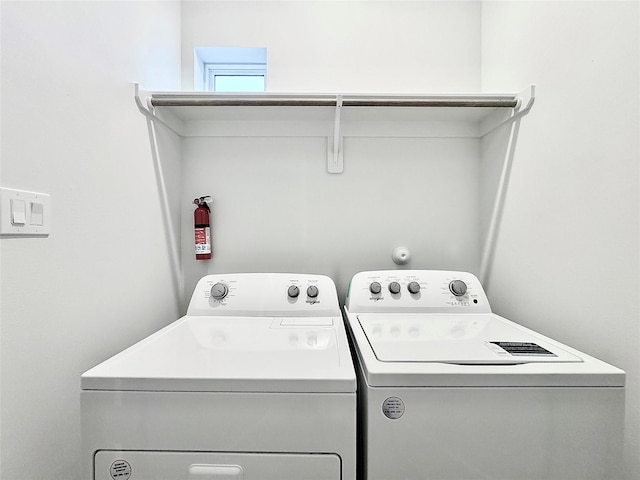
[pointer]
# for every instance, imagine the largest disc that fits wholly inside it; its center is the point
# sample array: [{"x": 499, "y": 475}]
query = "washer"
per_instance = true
[
  {"x": 256, "y": 381},
  {"x": 450, "y": 390}
]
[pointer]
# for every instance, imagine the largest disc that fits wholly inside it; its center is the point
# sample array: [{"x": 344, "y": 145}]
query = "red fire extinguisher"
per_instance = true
[{"x": 202, "y": 228}]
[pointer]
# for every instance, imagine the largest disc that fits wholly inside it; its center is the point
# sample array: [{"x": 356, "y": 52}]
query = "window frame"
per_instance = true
[
  {"x": 209, "y": 62},
  {"x": 212, "y": 70}
]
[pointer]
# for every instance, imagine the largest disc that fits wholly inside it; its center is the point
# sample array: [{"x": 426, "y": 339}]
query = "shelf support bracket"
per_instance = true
[
  {"x": 526, "y": 98},
  {"x": 335, "y": 160},
  {"x": 148, "y": 110}
]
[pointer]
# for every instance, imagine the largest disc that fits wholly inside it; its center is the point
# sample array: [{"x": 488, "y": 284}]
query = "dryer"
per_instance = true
[
  {"x": 256, "y": 381},
  {"x": 451, "y": 391}
]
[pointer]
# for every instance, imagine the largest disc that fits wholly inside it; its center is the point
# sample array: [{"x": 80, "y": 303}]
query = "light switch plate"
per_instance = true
[{"x": 37, "y": 212}]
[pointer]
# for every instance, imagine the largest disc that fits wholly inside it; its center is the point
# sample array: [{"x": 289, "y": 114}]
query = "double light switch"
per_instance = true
[{"x": 24, "y": 213}]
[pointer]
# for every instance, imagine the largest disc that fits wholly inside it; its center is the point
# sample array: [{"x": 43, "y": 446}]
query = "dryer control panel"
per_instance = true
[
  {"x": 265, "y": 294},
  {"x": 416, "y": 291}
]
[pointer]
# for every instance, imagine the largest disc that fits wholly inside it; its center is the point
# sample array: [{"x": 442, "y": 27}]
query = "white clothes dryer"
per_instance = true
[
  {"x": 255, "y": 382},
  {"x": 451, "y": 391}
]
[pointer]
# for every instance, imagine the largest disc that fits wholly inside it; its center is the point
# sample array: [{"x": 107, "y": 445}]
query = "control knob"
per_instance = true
[
  {"x": 394, "y": 288},
  {"x": 312, "y": 291},
  {"x": 458, "y": 288},
  {"x": 413, "y": 287},
  {"x": 293, "y": 291},
  {"x": 219, "y": 291},
  {"x": 375, "y": 288}
]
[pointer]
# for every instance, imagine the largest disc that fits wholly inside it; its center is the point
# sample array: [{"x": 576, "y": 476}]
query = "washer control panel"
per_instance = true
[
  {"x": 265, "y": 294},
  {"x": 416, "y": 291}
]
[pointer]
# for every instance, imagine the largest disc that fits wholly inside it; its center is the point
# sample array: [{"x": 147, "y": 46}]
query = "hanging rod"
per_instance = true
[
  {"x": 238, "y": 102},
  {"x": 488, "y": 103},
  {"x": 217, "y": 100}
]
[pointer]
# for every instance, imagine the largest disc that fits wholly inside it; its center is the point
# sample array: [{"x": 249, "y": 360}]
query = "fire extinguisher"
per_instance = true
[{"x": 202, "y": 228}]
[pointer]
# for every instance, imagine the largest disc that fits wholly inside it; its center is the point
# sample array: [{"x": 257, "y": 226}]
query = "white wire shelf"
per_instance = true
[{"x": 333, "y": 116}]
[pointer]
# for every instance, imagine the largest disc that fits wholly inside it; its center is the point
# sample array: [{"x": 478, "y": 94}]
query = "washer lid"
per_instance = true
[
  {"x": 443, "y": 353},
  {"x": 245, "y": 354},
  {"x": 462, "y": 339}
]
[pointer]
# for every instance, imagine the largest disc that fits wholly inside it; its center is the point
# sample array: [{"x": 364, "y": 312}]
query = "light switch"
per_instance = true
[
  {"x": 18, "y": 212},
  {"x": 24, "y": 213},
  {"x": 37, "y": 213}
]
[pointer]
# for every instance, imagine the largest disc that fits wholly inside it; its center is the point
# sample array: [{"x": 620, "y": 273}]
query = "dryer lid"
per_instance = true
[
  {"x": 462, "y": 339},
  {"x": 233, "y": 354}
]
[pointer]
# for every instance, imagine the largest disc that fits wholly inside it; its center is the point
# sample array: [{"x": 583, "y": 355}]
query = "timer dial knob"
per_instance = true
[
  {"x": 293, "y": 291},
  {"x": 375, "y": 288},
  {"x": 394, "y": 288},
  {"x": 413, "y": 287},
  {"x": 219, "y": 291},
  {"x": 458, "y": 288},
  {"x": 312, "y": 291}
]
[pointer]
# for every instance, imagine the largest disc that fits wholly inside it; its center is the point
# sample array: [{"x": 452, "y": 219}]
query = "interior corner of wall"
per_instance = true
[{"x": 198, "y": 72}]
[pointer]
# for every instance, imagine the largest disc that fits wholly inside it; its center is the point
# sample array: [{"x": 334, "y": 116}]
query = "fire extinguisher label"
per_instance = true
[{"x": 203, "y": 240}]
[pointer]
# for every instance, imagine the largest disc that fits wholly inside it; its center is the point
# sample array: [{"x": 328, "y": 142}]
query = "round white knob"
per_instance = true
[
  {"x": 219, "y": 291},
  {"x": 458, "y": 288}
]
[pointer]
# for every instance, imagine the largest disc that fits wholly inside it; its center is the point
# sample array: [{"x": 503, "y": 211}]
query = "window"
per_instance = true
[
  {"x": 233, "y": 77},
  {"x": 230, "y": 69}
]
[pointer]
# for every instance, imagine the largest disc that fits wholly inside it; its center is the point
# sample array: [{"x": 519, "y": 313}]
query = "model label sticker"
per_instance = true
[
  {"x": 393, "y": 408},
  {"x": 524, "y": 349},
  {"x": 120, "y": 470}
]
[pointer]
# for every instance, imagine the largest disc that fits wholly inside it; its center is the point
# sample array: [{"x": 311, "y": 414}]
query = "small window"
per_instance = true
[
  {"x": 235, "y": 77},
  {"x": 230, "y": 69}
]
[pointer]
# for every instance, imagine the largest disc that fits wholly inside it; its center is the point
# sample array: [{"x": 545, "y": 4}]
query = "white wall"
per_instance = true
[
  {"x": 275, "y": 206},
  {"x": 566, "y": 261},
  {"x": 103, "y": 278},
  {"x": 277, "y": 209},
  {"x": 344, "y": 46}
]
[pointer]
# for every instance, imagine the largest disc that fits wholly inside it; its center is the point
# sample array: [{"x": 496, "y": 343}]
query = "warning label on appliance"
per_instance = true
[
  {"x": 393, "y": 408},
  {"x": 120, "y": 470},
  {"x": 524, "y": 349}
]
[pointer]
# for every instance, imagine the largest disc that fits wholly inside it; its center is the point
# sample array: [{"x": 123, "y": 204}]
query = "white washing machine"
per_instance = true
[
  {"x": 451, "y": 391},
  {"x": 255, "y": 382}
]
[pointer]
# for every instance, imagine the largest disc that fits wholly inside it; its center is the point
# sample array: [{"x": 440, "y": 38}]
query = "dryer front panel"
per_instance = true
[{"x": 154, "y": 465}]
